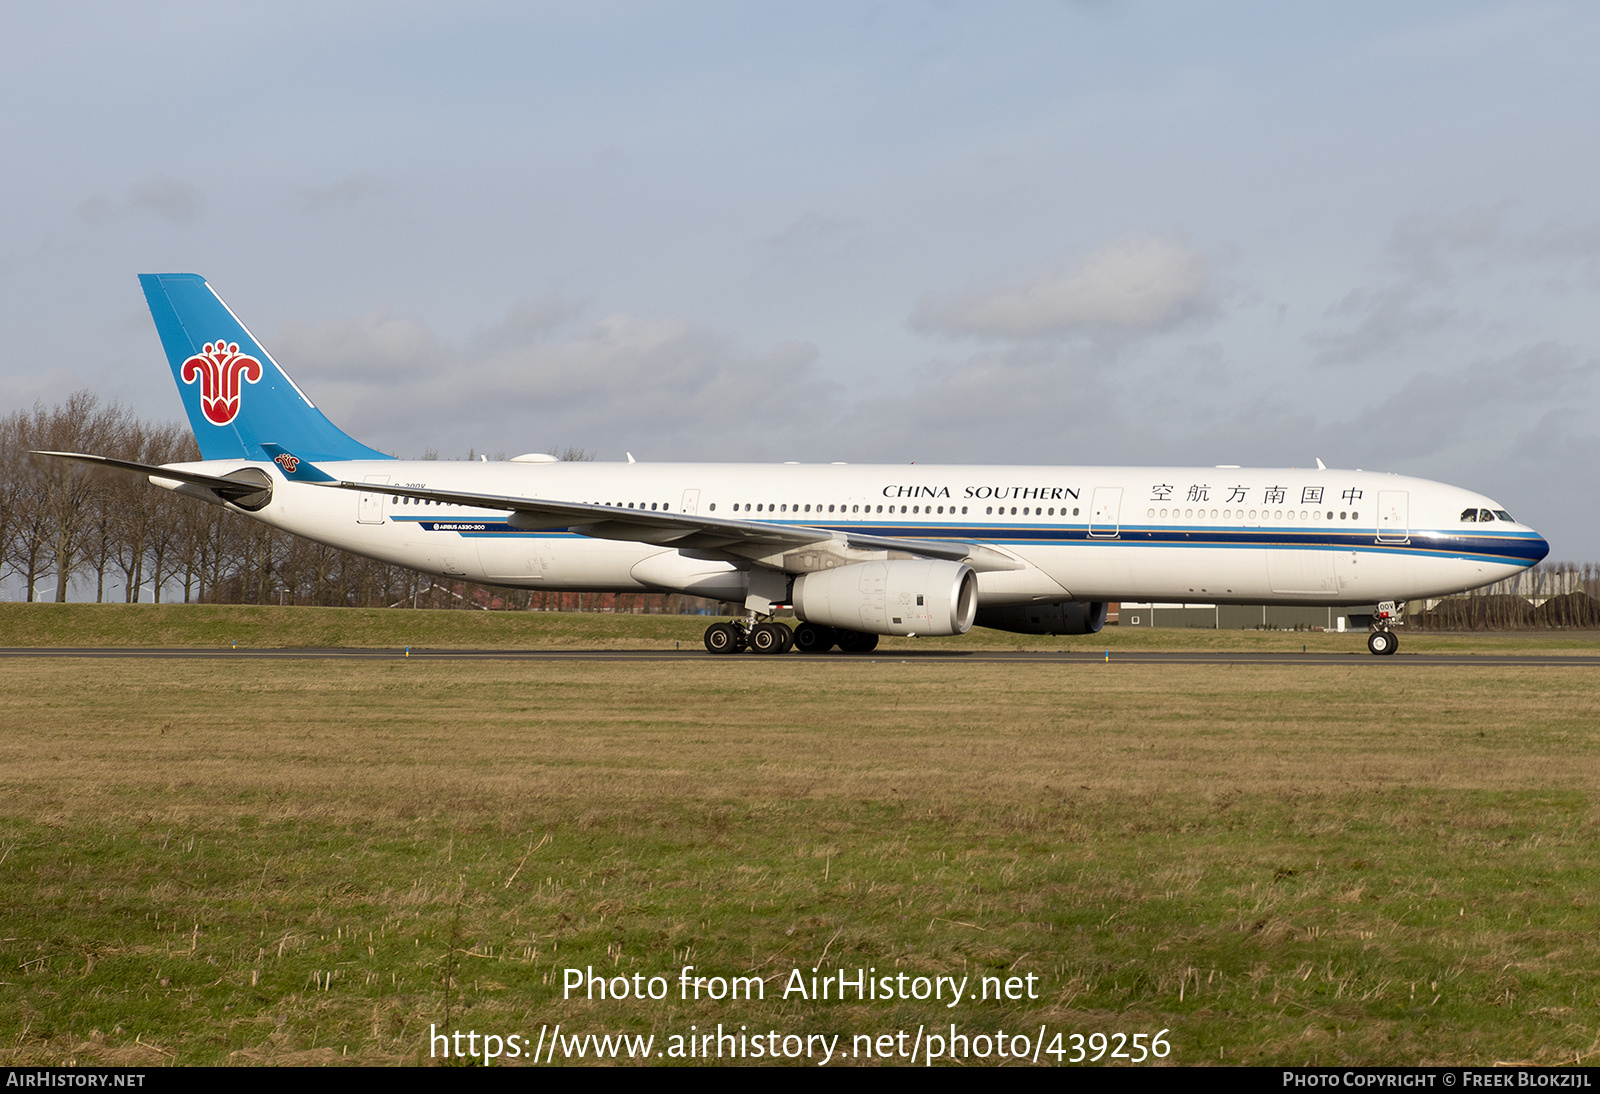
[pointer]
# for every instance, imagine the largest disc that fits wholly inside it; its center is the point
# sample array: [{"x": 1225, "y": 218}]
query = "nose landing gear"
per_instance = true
[{"x": 1383, "y": 641}]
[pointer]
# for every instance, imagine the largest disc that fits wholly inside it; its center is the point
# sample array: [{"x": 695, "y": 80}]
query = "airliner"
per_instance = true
[{"x": 857, "y": 551}]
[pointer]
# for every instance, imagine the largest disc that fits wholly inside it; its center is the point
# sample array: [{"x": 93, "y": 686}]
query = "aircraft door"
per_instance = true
[
  {"x": 369, "y": 506},
  {"x": 1105, "y": 519},
  {"x": 691, "y": 502},
  {"x": 1394, "y": 516}
]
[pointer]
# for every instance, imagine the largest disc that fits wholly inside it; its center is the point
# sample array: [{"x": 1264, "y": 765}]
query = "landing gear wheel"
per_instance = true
[
  {"x": 1382, "y": 643},
  {"x": 770, "y": 638},
  {"x": 857, "y": 642},
  {"x": 723, "y": 638},
  {"x": 810, "y": 638}
]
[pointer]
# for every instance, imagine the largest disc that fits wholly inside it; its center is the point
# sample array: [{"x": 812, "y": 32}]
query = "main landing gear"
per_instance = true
[
  {"x": 811, "y": 638},
  {"x": 770, "y": 636}
]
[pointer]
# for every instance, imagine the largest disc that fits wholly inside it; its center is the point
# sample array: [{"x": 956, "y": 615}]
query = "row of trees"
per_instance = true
[
  {"x": 1559, "y": 594},
  {"x": 64, "y": 522},
  {"x": 59, "y": 520}
]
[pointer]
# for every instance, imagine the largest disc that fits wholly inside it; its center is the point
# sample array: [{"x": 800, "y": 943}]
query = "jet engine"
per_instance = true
[
  {"x": 901, "y": 596},
  {"x": 1054, "y": 617}
]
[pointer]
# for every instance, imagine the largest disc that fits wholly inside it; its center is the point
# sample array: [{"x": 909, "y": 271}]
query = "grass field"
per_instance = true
[
  {"x": 251, "y": 626},
  {"x": 305, "y": 861}
]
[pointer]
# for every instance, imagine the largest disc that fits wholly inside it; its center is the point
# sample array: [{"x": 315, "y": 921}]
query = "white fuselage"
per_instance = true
[{"x": 1225, "y": 535}]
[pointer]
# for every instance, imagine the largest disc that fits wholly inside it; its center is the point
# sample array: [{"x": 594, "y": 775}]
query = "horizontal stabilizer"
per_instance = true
[{"x": 227, "y": 489}]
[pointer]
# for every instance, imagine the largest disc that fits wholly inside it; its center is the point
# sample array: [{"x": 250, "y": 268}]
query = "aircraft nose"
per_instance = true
[{"x": 1538, "y": 550}]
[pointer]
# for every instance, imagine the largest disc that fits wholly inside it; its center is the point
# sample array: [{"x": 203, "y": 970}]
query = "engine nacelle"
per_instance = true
[
  {"x": 1055, "y": 617},
  {"x": 902, "y": 596}
]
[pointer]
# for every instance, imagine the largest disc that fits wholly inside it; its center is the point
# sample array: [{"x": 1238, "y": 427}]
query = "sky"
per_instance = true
[{"x": 1043, "y": 233}]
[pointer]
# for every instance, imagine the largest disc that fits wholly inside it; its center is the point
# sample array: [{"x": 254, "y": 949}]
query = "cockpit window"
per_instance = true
[
  {"x": 1485, "y": 516},
  {"x": 1469, "y": 515},
  {"x": 1505, "y": 516}
]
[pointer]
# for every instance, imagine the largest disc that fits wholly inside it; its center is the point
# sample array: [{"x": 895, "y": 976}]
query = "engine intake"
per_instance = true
[{"x": 903, "y": 597}]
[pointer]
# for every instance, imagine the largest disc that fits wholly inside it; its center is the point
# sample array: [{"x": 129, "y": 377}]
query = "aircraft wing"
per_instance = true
[{"x": 686, "y": 531}]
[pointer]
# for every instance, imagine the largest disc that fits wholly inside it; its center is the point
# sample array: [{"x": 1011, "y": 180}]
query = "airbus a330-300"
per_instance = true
[{"x": 858, "y": 551}]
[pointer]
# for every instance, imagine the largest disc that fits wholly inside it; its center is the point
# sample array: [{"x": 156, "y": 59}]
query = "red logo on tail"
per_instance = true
[
  {"x": 290, "y": 464},
  {"x": 218, "y": 367}
]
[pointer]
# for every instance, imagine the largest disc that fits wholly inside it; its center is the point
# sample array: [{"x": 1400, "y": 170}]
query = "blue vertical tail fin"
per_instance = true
[{"x": 236, "y": 395}]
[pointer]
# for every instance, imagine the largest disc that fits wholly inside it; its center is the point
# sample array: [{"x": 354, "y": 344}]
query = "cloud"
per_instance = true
[
  {"x": 347, "y": 193},
  {"x": 379, "y": 346},
  {"x": 1382, "y": 320},
  {"x": 1425, "y": 244},
  {"x": 813, "y": 235},
  {"x": 1479, "y": 254},
  {"x": 1136, "y": 285},
  {"x": 527, "y": 321},
  {"x": 1475, "y": 403},
  {"x": 162, "y": 196},
  {"x": 653, "y": 385},
  {"x": 166, "y": 197}
]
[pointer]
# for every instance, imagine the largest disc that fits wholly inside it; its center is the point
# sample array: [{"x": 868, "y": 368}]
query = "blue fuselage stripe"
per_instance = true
[{"x": 1523, "y": 548}]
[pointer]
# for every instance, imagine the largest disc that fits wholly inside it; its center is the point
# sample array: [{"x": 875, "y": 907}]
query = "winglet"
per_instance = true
[{"x": 293, "y": 467}]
